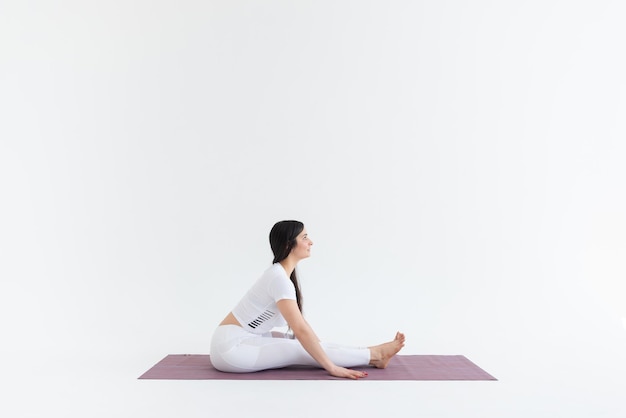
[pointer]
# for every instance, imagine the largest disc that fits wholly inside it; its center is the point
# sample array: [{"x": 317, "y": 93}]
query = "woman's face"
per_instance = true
[{"x": 303, "y": 245}]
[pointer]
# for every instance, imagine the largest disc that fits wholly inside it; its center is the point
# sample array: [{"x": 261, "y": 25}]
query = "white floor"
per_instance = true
[{"x": 541, "y": 379}]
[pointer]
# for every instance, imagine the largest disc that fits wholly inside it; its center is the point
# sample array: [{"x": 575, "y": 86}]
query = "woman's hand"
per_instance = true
[{"x": 347, "y": 373}]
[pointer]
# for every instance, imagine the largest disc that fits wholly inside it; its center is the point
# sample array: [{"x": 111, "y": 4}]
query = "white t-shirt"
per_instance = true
[{"x": 257, "y": 311}]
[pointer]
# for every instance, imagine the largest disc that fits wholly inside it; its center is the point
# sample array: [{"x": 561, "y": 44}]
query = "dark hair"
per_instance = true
[{"x": 282, "y": 239}]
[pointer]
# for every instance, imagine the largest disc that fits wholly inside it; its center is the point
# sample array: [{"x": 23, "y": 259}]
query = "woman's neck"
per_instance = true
[{"x": 289, "y": 265}]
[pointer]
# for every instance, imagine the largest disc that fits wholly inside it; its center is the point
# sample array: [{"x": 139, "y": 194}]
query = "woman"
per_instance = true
[{"x": 243, "y": 342}]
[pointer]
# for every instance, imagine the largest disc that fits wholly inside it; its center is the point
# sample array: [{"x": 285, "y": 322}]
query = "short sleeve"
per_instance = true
[{"x": 282, "y": 288}]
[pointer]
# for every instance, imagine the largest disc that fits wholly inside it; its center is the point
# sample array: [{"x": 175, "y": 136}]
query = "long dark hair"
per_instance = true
[{"x": 282, "y": 239}]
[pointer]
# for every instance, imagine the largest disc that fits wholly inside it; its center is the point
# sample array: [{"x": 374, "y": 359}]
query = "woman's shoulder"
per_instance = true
[
  {"x": 276, "y": 269},
  {"x": 273, "y": 272}
]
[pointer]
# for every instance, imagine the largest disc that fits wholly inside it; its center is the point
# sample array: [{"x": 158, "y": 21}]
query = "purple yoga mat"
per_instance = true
[{"x": 401, "y": 367}]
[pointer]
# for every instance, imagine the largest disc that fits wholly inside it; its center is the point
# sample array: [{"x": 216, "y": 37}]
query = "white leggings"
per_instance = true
[{"x": 236, "y": 350}]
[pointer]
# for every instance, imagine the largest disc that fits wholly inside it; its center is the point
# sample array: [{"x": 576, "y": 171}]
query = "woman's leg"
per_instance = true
[
  {"x": 235, "y": 350},
  {"x": 274, "y": 353}
]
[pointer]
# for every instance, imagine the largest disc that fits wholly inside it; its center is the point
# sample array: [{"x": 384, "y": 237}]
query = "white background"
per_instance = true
[{"x": 459, "y": 166}]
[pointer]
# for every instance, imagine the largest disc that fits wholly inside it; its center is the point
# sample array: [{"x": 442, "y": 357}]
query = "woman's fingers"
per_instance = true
[
  {"x": 355, "y": 374},
  {"x": 349, "y": 374}
]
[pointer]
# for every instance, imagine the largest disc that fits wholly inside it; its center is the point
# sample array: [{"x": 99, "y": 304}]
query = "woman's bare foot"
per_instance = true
[{"x": 380, "y": 355}]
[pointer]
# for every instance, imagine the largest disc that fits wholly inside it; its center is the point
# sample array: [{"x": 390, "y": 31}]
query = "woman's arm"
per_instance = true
[{"x": 306, "y": 336}]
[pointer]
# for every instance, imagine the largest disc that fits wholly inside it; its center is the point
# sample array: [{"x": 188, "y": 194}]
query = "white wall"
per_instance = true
[{"x": 459, "y": 166}]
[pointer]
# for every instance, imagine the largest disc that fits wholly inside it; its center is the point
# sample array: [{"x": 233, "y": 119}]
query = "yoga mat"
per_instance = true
[{"x": 401, "y": 367}]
